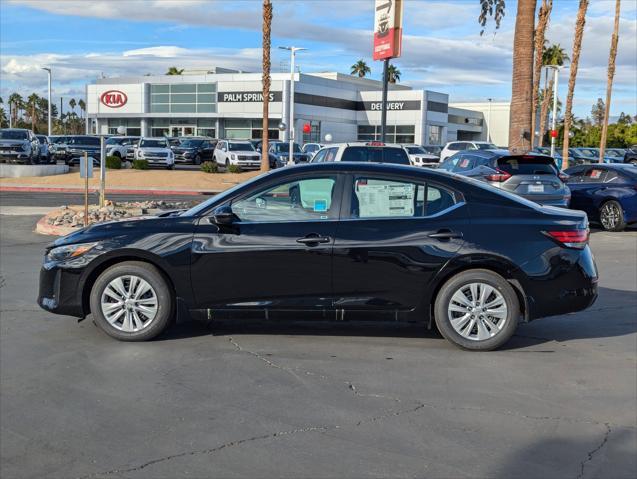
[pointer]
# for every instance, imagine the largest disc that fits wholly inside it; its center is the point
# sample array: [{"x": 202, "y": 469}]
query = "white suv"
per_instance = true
[
  {"x": 374, "y": 151},
  {"x": 454, "y": 147},
  {"x": 156, "y": 151},
  {"x": 419, "y": 156},
  {"x": 240, "y": 153},
  {"x": 121, "y": 146}
]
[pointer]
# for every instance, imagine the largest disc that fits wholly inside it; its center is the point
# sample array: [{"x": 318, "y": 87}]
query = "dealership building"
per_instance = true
[{"x": 223, "y": 103}]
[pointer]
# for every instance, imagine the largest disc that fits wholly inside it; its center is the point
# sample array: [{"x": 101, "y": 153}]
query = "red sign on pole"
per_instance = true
[
  {"x": 553, "y": 133},
  {"x": 388, "y": 32}
]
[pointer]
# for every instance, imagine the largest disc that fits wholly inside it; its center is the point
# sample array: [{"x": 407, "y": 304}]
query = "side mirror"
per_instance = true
[{"x": 222, "y": 216}]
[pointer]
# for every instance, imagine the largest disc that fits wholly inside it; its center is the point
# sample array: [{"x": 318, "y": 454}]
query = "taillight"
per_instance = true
[
  {"x": 498, "y": 176},
  {"x": 571, "y": 239},
  {"x": 564, "y": 177}
]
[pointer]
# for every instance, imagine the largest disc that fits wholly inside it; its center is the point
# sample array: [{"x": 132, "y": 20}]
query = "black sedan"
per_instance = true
[
  {"x": 336, "y": 238},
  {"x": 195, "y": 150}
]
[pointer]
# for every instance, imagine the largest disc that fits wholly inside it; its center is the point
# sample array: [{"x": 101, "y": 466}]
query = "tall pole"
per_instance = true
[
  {"x": 383, "y": 111},
  {"x": 62, "y": 128},
  {"x": 489, "y": 121},
  {"x": 48, "y": 70},
  {"x": 291, "y": 153},
  {"x": 554, "y": 119}
]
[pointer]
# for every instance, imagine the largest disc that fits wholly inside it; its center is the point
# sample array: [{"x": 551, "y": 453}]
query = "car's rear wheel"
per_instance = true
[
  {"x": 198, "y": 159},
  {"x": 227, "y": 163},
  {"x": 477, "y": 310},
  {"x": 131, "y": 301},
  {"x": 611, "y": 216}
]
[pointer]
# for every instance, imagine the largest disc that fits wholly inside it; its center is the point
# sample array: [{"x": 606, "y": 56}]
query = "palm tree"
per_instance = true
[
  {"x": 553, "y": 55},
  {"x": 543, "y": 20},
  {"x": 520, "y": 128},
  {"x": 82, "y": 105},
  {"x": 609, "y": 84},
  {"x": 174, "y": 71},
  {"x": 32, "y": 105},
  {"x": 72, "y": 104},
  {"x": 267, "y": 29},
  {"x": 393, "y": 74},
  {"x": 15, "y": 105},
  {"x": 360, "y": 68},
  {"x": 577, "y": 48}
]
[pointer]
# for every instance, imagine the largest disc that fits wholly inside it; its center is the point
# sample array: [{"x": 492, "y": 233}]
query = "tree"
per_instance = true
[
  {"x": 72, "y": 104},
  {"x": 491, "y": 8},
  {"x": 174, "y": 71},
  {"x": 597, "y": 112},
  {"x": 3, "y": 116},
  {"x": 16, "y": 103},
  {"x": 609, "y": 83},
  {"x": 520, "y": 128},
  {"x": 267, "y": 30},
  {"x": 82, "y": 104},
  {"x": 543, "y": 20},
  {"x": 624, "y": 119},
  {"x": 553, "y": 55},
  {"x": 577, "y": 48},
  {"x": 32, "y": 109},
  {"x": 393, "y": 74},
  {"x": 360, "y": 68}
]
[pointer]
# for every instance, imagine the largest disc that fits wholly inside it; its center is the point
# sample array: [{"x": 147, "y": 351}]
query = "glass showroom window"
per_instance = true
[
  {"x": 314, "y": 136},
  {"x": 393, "y": 134},
  {"x": 183, "y": 98},
  {"x": 435, "y": 135}
]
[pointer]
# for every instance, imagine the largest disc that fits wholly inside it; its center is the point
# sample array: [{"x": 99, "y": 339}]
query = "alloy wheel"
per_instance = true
[
  {"x": 129, "y": 303},
  {"x": 610, "y": 216},
  {"x": 477, "y": 311}
]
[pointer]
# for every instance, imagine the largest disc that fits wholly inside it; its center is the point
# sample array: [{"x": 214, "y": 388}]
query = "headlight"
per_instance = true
[
  {"x": 62, "y": 253},
  {"x": 140, "y": 153},
  {"x": 233, "y": 156}
]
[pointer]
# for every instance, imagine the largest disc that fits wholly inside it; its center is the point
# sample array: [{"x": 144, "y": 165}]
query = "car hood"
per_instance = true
[{"x": 154, "y": 150}]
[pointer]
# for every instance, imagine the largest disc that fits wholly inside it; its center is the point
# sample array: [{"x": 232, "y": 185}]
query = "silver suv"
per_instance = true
[{"x": 19, "y": 145}]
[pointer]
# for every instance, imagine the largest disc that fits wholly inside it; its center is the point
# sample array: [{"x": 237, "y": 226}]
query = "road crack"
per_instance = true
[
  {"x": 590, "y": 454},
  {"x": 238, "y": 347}
]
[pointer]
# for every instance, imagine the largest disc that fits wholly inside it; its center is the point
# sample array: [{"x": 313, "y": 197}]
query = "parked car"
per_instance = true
[
  {"x": 433, "y": 149},
  {"x": 57, "y": 148},
  {"x": 453, "y": 147},
  {"x": 374, "y": 151},
  {"x": 237, "y": 152},
  {"x": 310, "y": 149},
  {"x": 19, "y": 145},
  {"x": 156, "y": 151},
  {"x": 534, "y": 177},
  {"x": 578, "y": 157},
  {"x": 122, "y": 147},
  {"x": 615, "y": 154},
  {"x": 45, "y": 155},
  {"x": 607, "y": 193},
  {"x": 195, "y": 150},
  {"x": 418, "y": 156},
  {"x": 76, "y": 145},
  {"x": 279, "y": 152},
  {"x": 631, "y": 155},
  {"x": 342, "y": 237},
  {"x": 544, "y": 150}
]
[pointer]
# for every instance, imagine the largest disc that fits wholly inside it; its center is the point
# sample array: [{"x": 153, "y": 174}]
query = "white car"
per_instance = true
[
  {"x": 454, "y": 147},
  {"x": 359, "y": 151},
  {"x": 156, "y": 151},
  {"x": 236, "y": 152},
  {"x": 419, "y": 156},
  {"x": 310, "y": 149},
  {"x": 121, "y": 146}
]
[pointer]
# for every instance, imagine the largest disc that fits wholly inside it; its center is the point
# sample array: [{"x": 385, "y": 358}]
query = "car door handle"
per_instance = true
[
  {"x": 445, "y": 235},
  {"x": 314, "y": 239}
]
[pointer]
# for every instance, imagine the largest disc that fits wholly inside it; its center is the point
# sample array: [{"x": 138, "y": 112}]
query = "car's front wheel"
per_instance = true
[
  {"x": 197, "y": 160},
  {"x": 131, "y": 301},
  {"x": 611, "y": 216},
  {"x": 477, "y": 310}
]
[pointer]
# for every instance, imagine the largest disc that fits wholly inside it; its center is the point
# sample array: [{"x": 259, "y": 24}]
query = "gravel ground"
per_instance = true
[{"x": 248, "y": 398}]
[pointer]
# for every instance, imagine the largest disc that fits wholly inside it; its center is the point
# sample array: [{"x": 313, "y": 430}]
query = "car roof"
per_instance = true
[
  {"x": 153, "y": 138},
  {"x": 362, "y": 143}
]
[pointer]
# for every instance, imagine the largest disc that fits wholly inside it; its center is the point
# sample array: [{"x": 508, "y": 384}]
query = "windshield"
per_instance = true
[
  {"x": 84, "y": 140},
  {"x": 235, "y": 146},
  {"x": 58, "y": 139},
  {"x": 115, "y": 141},
  {"x": 433, "y": 149},
  {"x": 527, "y": 165},
  {"x": 149, "y": 143},
  {"x": 486, "y": 146},
  {"x": 311, "y": 147},
  {"x": 614, "y": 153},
  {"x": 42, "y": 139},
  {"x": 191, "y": 143},
  {"x": 285, "y": 147},
  {"x": 13, "y": 135},
  {"x": 416, "y": 150},
  {"x": 587, "y": 152}
]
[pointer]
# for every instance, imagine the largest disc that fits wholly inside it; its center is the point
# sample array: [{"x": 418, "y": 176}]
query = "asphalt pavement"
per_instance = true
[{"x": 251, "y": 398}]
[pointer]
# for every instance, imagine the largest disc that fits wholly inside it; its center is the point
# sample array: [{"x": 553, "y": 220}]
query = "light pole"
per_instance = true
[
  {"x": 556, "y": 70},
  {"x": 489, "y": 121},
  {"x": 48, "y": 70},
  {"x": 292, "y": 51}
]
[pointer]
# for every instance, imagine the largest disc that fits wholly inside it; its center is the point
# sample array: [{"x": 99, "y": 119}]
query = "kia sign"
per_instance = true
[
  {"x": 388, "y": 19},
  {"x": 113, "y": 98}
]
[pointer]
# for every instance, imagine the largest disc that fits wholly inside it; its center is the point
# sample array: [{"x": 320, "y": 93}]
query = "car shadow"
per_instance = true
[{"x": 614, "y": 314}]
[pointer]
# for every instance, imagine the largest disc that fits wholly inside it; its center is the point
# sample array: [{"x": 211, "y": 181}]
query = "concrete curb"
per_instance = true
[
  {"x": 149, "y": 192},
  {"x": 43, "y": 228}
]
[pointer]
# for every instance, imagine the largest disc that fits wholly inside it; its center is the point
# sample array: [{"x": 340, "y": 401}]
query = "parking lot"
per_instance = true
[{"x": 316, "y": 399}]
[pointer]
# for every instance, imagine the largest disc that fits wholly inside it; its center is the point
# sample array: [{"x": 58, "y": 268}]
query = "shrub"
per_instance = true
[
  {"x": 140, "y": 164},
  {"x": 210, "y": 167},
  {"x": 234, "y": 169},
  {"x": 113, "y": 163}
]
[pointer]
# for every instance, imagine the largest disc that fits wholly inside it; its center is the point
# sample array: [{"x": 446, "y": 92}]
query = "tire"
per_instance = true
[
  {"x": 117, "y": 154},
  {"x": 171, "y": 167},
  {"x": 158, "y": 299},
  {"x": 611, "y": 216},
  {"x": 227, "y": 163},
  {"x": 633, "y": 162},
  {"x": 197, "y": 160},
  {"x": 495, "y": 329}
]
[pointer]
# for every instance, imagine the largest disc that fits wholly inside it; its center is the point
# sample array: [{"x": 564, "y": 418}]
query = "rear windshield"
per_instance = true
[
  {"x": 486, "y": 146},
  {"x": 376, "y": 154},
  {"x": 84, "y": 140},
  {"x": 13, "y": 135},
  {"x": 527, "y": 165},
  {"x": 153, "y": 144}
]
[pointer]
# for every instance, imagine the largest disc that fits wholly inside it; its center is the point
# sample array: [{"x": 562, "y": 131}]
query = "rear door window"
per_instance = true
[
  {"x": 465, "y": 163},
  {"x": 594, "y": 175},
  {"x": 527, "y": 165},
  {"x": 375, "y": 154}
]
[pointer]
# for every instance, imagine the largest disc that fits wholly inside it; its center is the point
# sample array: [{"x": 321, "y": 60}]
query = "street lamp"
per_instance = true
[
  {"x": 556, "y": 70},
  {"x": 292, "y": 51},
  {"x": 48, "y": 70},
  {"x": 489, "y": 121}
]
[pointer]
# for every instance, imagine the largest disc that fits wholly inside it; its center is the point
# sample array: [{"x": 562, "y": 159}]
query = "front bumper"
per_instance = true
[
  {"x": 59, "y": 291},
  {"x": 17, "y": 157}
]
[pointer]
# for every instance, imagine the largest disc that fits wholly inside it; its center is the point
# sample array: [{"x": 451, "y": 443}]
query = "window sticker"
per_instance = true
[
  {"x": 464, "y": 163},
  {"x": 320, "y": 206},
  {"x": 595, "y": 174},
  {"x": 388, "y": 199}
]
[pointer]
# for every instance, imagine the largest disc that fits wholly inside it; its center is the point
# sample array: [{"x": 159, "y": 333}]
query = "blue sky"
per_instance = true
[{"x": 442, "y": 48}]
